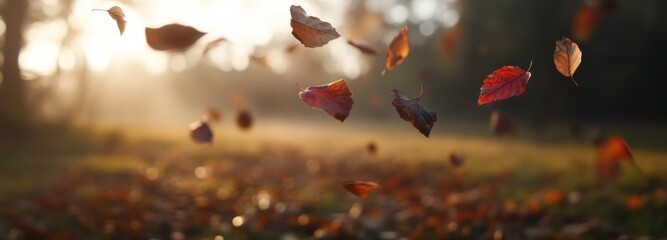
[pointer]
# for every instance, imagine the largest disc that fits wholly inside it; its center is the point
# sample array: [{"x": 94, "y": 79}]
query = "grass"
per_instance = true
[{"x": 518, "y": 169}]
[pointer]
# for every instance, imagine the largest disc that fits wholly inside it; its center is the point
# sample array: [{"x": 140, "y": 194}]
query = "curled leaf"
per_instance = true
[
  {"x": 334, "y": 98},
  {"x": 172, "y": 37},
  {"x": 200, "y": 132},
  {"x": 504, "y": 83},
  {"x": 398, "y": 50},
  {"x": 410, "y": 110},
  {"x": 213, "y": 44},
  {"x": 610, "y": 153},
  {"x": 244, "y": 119},
  {"x": 364, "y": 48},
  {"x": 310, "y": 31},
  {"x": 117, "y": 14},
  {"x": 567, "y": 58},
  {"x": 501, "y": 123},
  {"x": 360, "y": 188}
]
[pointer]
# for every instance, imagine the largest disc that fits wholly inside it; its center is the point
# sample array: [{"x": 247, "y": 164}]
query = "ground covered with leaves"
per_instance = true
[{"x": 124, "y": 185}]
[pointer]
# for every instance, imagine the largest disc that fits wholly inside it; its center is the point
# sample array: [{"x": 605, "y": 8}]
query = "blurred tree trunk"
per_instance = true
[{"x": 14, "y": 112}]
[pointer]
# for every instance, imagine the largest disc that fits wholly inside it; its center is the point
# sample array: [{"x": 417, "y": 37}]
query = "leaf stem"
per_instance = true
[
  {"x": 97, "y": 9},
  {"x": 297, "y": 85},
  {"x": 530, "y": 66},
  {"x": 421, "y": 93},
  {"x": 575, "y": 82}
]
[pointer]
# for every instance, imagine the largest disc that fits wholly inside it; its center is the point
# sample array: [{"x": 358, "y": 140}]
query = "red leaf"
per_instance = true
[
  {"x": 364, "y": 48},
  {"x": 173, "y": 37},
  {"x": 410, "y": 110},
  {"x": 334, "y": 98},
  {"x": 360, "y": 188},
  {"x": 504, "y": 83},
  {"x": 200, "y": 132}
]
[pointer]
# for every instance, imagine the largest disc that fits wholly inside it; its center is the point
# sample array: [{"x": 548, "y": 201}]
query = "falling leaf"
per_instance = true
[
  {"x": 309, "y": 30},
  {"x": 200, "y": 132},
  {"x": 334, "y": 98},
  {"x": 244, "y": 119},
  {"x": 610, "y": 153},
  {"x": 212, "y": 115},
  {"x": 117, "y": 14},
  {"x": 410, "y": 110},
  {"x": 398, "y": 50},
  {"x": 567, "y": 58},
  {"x": 213, "y": 44},
  {"x": 456, "y": 160},
  {"x": 291, "y": 48},
  {"x": 364, "y": 48},
  {"x": 635, "y": 202},
  {"x": 589, "y": 16},
  {"x": 360, "y": 188},
  {"x": 449, "y": 39},
  {"x": 501, "y": 123},
  {"x": 372, "y": 148},
  {"x": 504, "y": 83},
  {"x": 172, "y": 37}
]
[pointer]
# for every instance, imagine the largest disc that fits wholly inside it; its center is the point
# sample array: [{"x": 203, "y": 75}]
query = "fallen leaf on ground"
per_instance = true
[{"x": 360, "y": 188}]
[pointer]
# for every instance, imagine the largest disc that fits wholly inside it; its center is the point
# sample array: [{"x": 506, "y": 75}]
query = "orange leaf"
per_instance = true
[
  {"x": 398, "y": 50},
  {"x": 360, "y": 188},
  {"x": 610, "y": 153},
  {"x": 449, "y": 39},
  {"x": 309, "y": 30},
  {"x": 567, "y": 57}
]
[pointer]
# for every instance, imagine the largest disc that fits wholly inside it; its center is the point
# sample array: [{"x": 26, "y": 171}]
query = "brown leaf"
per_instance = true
[
  {"x": 244, "y": 119},
  {"x": 501, "y": 123},
  {"x": 334, "y": 98},
  {"x": 567, "y": 58},
  {"x": 172, "y": 37},
  {"x": 360, "y": 188},
  {"x": 212, "y": 44},
  {"x": 364, "y": 48},
  {"x": 309, "y": 30},
  {"x": 117, "y": 14},
  {"x": 610, "y": 153},
  {"x": 200, "y": 132},
  {"x": 398, "y": 50},
  {"x": 410, "y": 110}
]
